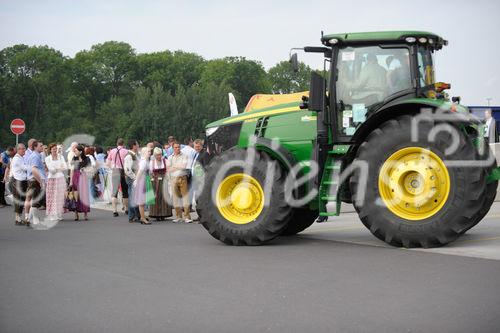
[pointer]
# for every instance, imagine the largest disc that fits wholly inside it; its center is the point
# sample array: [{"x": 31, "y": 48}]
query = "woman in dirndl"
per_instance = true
[
  {"x": 56, "y": 183},
  {"x": 158, "y": 169},
  {"x": 79, "y": 181},
  {"x": 140, "y": 185}
]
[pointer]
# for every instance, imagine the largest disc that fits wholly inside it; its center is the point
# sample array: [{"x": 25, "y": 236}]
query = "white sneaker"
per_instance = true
[
  {"x": 188, "y": 221},
  {"x": 177, "y": 220}
]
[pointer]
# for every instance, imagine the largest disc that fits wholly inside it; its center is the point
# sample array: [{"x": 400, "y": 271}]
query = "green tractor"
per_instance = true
[{"x": 376, "y": 130}]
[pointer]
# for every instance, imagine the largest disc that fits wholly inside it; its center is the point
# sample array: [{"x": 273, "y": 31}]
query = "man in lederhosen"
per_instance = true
[{"x": 116, "y": 164}]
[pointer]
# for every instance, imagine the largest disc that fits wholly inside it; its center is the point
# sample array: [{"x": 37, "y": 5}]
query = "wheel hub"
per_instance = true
[
  {"x": 240, "y": 198},
  {"x": 414, "y": 183}
]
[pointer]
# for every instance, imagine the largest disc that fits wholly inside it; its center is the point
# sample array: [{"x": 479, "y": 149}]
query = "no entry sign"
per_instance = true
[{"x": 17, "y": 126}]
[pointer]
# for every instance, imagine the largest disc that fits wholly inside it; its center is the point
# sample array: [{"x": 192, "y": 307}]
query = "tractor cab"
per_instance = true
[
  {"x": 365, "y": 77},
  {"x": 370, "y": 70}
]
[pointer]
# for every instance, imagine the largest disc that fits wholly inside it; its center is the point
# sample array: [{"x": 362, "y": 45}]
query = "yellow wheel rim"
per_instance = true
[
  {"x": 240, "y": 198},
  {"x": 414, "y": 183}
]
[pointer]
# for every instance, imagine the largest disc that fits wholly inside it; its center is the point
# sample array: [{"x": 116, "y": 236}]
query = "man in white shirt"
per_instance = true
[
  {"x": 490, "y": 132},
  {"x": 115, "y": 163},
  {"x": 36, "y": 185},
  {"x": 29, "y": 151},
  {"x": 176, "y": 167},
  {"x": 190, "y": 153},
  {"x": 20, "y": 182},
  {"x": 131, "y": 166}
]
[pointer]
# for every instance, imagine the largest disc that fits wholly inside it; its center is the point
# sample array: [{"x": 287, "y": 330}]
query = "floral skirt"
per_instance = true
[{"x": 56, "y": 188}]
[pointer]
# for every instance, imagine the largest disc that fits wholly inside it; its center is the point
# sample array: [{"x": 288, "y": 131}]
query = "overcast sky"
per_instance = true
[{"x": 266, "y": 30}]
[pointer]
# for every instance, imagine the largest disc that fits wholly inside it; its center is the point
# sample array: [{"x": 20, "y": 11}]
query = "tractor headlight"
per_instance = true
[
  {"x": 333, "y": 41},
  {"x": 211, "y": 130},
  {"x": 422, "y": 40},
  {"x": 411, "y": 39}
]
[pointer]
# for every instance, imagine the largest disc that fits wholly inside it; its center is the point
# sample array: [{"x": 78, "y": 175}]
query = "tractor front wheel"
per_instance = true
[{"x": 243, "y": 202}]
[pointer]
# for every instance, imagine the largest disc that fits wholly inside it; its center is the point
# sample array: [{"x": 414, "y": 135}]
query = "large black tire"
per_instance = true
[
  {"x": 302, "y": 218},
  {"x": 457, "y": 213},
  {"x": 273, "y": 218},
  {"x": 490, "y": 191}
]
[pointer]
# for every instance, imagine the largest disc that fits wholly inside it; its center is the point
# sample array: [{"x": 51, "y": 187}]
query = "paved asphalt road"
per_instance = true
[{"x": 107, "y": 275}]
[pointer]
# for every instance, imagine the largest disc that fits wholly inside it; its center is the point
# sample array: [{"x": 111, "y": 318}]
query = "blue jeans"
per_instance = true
[{"x": 133, "y": 209}]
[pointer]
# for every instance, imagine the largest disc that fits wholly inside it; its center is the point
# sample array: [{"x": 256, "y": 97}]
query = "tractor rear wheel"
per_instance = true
[
  {"x": 412, "y": 198},
  {"x": 235, "y": 207},
  {"x": 302, "y": 218}
]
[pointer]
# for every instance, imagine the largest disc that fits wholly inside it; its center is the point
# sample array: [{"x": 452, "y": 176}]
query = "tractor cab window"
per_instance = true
[
  {"x": 425, "y": 67},
  {"x": 365, "y": 77}
]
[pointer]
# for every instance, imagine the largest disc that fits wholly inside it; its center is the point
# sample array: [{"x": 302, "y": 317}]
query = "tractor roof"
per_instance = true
[{"x": 383, "y": 37}]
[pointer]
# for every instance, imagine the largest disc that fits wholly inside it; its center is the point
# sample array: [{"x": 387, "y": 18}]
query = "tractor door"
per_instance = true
[{"x": 365, "y": 77}]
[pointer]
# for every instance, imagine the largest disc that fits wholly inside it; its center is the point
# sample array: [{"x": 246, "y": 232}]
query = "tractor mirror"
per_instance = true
[
  {"x": 294, "y": 62},
  {"x": 317, "y": 92}
]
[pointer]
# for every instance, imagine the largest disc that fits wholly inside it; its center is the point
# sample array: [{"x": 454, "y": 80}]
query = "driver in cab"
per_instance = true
[{"x": 373, "y": 77}]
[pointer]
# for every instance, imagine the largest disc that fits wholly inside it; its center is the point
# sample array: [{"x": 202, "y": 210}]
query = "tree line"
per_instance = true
[{"x": 111, "y": 91}]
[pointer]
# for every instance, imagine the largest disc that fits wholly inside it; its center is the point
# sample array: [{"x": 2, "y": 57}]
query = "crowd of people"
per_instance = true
[{"x": 153, "y": 182}]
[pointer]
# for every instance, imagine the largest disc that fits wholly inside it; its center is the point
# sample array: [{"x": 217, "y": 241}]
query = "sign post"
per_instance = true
[{"x": 17, "y": 126}]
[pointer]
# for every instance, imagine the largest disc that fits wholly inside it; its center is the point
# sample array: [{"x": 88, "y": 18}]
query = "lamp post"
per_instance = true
[{"x": 488, "y": 100}]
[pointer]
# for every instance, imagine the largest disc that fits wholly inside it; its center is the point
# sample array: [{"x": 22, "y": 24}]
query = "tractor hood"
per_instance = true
[{"x": 262, "y": 105}]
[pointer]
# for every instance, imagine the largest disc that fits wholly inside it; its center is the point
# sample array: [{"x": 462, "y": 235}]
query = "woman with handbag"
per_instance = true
[
  {"x": 56, "y": 183},
  {"x": 161, "y": 208},
  {"x": 79, "y": 181}
]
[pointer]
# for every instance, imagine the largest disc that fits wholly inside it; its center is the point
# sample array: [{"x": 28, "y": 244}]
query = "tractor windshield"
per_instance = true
[{"x": 365, "y": 77}]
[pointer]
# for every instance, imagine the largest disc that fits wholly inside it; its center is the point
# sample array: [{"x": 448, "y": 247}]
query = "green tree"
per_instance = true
[
  {"x": 33, "y": 82},
  {"x": 284, "y": 80},
  {"x": 244, "y": 77},
  {"x": 107, "y": 70},
  {"x": 170, "y": 69}
]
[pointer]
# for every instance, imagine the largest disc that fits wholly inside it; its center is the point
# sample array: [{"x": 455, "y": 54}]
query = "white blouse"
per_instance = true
[
  {"x": 155, "y": 165},
  {"x": 18, "y": 168},
  {"x": 56, "y": 167}
]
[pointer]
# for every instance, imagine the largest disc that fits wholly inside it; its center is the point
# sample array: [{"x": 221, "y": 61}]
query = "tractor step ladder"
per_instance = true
[{"x": 330, "y": 184}]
